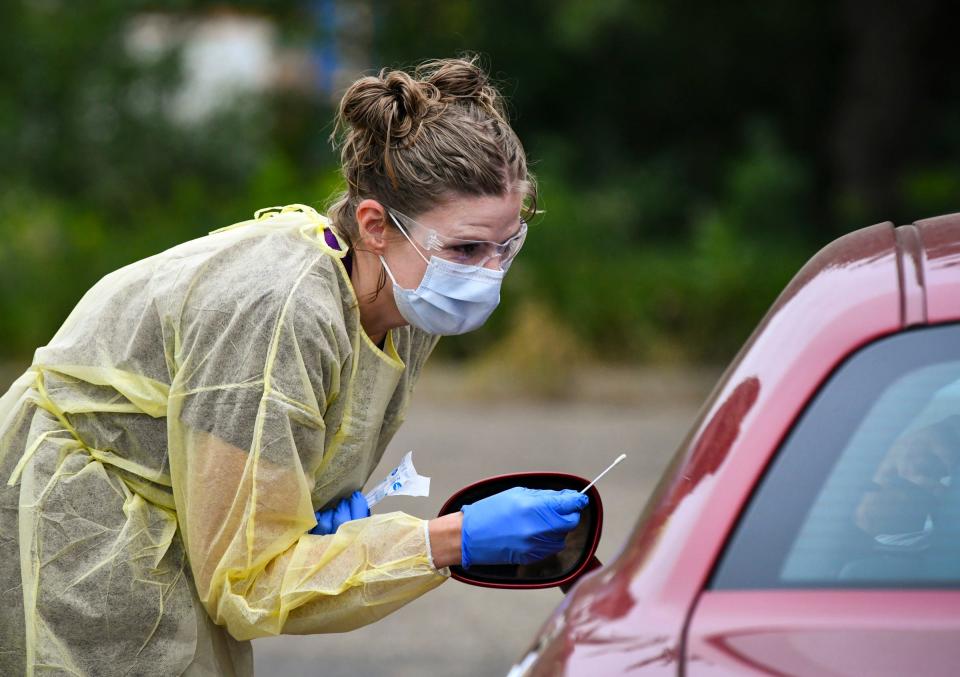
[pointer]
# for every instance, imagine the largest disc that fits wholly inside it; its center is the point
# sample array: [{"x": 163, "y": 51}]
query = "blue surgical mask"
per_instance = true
[{"x": 452, "y": 298}]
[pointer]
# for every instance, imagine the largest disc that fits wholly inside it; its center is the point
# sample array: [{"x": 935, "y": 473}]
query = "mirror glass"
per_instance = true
[{"x": 579, "y": 542}]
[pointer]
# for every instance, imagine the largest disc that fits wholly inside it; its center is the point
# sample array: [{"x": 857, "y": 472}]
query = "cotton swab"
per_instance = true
[{"x": 609, "y": 468}]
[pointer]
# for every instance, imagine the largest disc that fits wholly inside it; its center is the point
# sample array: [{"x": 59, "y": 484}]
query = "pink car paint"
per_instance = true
[{"x": 648, "y": 611}]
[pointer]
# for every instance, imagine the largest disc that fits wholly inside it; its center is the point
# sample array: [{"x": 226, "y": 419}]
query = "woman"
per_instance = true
[{"x": 163, "y": 457}]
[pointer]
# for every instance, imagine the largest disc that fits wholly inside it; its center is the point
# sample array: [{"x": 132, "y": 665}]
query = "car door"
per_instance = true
[{"x": 846, "y": 558}]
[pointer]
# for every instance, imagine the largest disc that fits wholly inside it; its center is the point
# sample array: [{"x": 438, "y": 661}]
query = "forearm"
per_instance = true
[
  {"x": 445, "y": 539},
  {"x": 256, "y": 567},
  {"x": 359, "y": 606},
  {"x": 331, "y": 583}
]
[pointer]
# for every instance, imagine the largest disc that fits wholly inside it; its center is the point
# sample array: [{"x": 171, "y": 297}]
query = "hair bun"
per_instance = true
[
  {"x": 463, "y": 79},
  {"x": 389, "y": 106}
]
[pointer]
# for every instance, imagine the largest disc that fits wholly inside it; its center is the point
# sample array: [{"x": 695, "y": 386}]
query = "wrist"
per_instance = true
[{"x": 445, "y": 538}]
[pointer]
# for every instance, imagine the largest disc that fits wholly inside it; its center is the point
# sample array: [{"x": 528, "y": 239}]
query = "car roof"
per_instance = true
[{"x": 867, "y": 270}]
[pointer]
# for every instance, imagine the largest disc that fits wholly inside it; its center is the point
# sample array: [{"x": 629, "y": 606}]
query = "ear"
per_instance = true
[{"x": 372, "y": 224}]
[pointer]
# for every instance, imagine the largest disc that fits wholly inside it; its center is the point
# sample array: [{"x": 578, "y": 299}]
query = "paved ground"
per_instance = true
[{"x": 464, "y": 630}]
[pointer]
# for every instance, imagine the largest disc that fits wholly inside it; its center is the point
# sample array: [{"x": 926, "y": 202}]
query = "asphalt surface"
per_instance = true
[{"x": 459, "y": 629}]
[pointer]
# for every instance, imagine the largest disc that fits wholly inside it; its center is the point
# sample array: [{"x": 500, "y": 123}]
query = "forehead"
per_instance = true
[{"x": 476, "y": 217}]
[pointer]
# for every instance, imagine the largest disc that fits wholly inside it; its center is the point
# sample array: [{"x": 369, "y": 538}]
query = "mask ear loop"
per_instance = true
[{"x": 389, "y": 272}]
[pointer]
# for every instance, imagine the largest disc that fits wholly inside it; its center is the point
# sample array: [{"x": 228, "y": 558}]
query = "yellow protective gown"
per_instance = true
[{"x": 161, "y": 460}]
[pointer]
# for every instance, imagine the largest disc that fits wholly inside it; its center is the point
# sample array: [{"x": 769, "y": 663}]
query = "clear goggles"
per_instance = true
[{"x": 458, "y": 250}]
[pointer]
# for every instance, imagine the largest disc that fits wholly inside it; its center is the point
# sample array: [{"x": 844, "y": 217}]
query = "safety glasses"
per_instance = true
[{"x": 458, "y": 250}]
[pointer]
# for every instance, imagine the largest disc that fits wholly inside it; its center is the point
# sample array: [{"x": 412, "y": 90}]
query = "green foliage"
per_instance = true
[
  {"x": 98, "y": 171},
  {"x": 659, "y": 296},
  {"x": 932, "y": 190},
  {"x": 85, "y": 120},
  {"x": 691, "y": 155}
]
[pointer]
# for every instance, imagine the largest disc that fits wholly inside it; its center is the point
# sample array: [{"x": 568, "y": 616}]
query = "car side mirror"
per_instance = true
[{"x": 560, "y": 570}]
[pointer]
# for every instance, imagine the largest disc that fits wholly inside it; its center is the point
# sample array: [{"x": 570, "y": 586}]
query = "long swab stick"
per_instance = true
[{"x": 609, "y": 468}]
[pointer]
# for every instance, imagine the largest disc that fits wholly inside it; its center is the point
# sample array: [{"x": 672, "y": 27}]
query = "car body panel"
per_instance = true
[
  {"x": 630, "y": 616},
  {"x": 843, "y": 633}
]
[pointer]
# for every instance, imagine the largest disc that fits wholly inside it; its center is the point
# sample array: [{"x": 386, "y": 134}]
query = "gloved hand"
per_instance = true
[
  {"x": 352, "y": 508},
  {"x": 519, "y": 526}
]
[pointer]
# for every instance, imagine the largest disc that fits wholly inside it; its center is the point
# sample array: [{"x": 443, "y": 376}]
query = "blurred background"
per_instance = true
[{"x": 691, "y": 156}]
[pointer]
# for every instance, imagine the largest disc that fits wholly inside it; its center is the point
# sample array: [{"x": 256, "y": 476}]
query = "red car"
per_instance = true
[{"x": 810, "y": 522}]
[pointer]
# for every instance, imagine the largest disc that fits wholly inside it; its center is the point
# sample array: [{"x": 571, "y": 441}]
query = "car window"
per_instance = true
[{"x": 865, "y": 490}]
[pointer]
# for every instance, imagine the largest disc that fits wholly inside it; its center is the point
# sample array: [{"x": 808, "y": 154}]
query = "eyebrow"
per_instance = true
[{"x": 512, "y": 235}]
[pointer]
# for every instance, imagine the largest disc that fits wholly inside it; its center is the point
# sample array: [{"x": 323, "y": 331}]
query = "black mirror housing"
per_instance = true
[{"x": 560, "y": 570}]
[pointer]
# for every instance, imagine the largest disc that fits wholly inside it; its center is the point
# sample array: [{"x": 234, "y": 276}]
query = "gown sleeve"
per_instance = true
[{"x": 254, "y": 373}]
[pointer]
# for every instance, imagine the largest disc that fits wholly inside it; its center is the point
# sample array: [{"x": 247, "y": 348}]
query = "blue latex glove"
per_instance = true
[
  {"x": 519, "y": 526},
  {"x": 353, "y": 508}
]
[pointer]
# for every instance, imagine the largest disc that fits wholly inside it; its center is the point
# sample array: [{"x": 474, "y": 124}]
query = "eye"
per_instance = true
[{"x": 466, "y": 250}]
